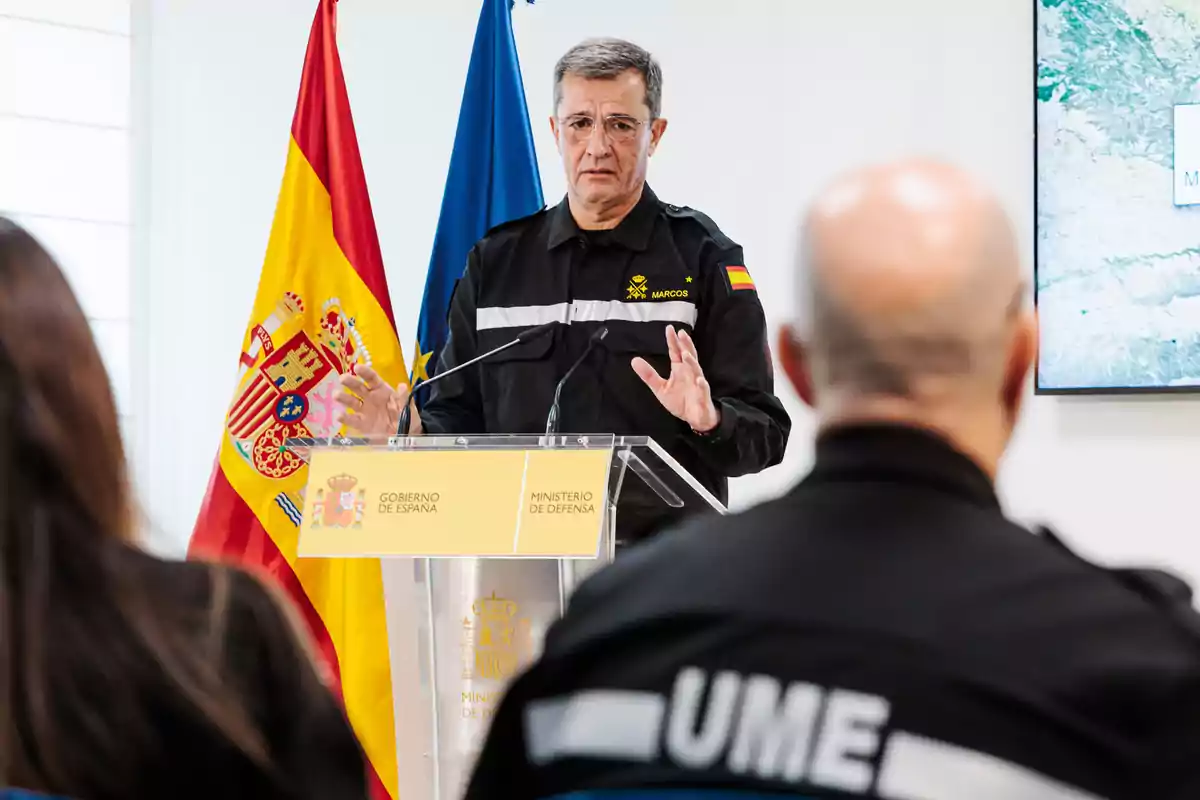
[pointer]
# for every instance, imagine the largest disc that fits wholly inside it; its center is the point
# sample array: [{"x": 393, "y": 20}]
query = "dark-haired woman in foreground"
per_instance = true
[{"x": 123, "y": 676}]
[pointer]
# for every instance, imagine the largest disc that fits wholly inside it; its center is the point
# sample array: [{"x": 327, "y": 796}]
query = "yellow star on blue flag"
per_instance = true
[{"x": 420, "y": 365}]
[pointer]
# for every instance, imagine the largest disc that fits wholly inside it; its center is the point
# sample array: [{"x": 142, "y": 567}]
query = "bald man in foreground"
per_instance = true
[{"x": 882, "y": 630}]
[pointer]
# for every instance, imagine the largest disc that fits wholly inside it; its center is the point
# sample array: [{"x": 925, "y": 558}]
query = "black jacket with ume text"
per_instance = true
[
  {"x": 881, "y": 631},
  {"x": 662, "y": 265}
]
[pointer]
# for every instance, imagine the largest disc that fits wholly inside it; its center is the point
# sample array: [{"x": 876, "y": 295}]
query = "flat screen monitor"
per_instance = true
[{"x": 1117, "y": 260}]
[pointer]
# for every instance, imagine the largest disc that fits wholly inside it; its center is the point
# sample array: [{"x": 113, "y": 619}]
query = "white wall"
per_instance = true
[
  {"x": 767, "y": 99},
  {"x": 65, "y": 156}
]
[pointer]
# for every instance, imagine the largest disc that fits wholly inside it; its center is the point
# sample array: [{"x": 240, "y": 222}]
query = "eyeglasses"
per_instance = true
[{"x": 618, "y": 128}]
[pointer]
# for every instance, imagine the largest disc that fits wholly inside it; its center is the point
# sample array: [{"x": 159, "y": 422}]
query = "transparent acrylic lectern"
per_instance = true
[{"x": 481, "y": 539}]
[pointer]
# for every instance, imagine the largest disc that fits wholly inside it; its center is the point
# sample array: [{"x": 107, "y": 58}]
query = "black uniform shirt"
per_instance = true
[
  {"x": 662, "y": 265},
  {"x": 881, "y": 631}
]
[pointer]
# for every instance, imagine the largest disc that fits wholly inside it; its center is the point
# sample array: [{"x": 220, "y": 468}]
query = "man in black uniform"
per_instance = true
[
  {"x": 685, "y": 359},
  {"x": 882, "y": 630}
]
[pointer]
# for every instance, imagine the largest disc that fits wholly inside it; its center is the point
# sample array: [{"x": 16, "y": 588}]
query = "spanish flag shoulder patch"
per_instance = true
[{"x": 739, "y": 278}]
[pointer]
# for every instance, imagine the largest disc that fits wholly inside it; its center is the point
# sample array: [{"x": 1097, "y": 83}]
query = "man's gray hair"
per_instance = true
[{"x": 608, "y": 58}]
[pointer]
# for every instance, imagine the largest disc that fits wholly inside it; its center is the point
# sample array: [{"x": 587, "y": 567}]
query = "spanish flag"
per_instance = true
[{"x": 322, "y": 307}]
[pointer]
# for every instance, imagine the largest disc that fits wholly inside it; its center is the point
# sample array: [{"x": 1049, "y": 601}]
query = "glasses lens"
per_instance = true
[{"x": 621, "y": 129}]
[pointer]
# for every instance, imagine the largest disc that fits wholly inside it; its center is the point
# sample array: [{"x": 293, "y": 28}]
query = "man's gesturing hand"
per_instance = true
[
  {"x": 685, "y": 392},
  {"x": 368, "y": 406}
]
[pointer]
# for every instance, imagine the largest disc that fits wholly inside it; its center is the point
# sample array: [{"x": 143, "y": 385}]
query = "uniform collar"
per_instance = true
[
  {"x": 633, "y": 232},
  {"x": 900, "y": 454}
]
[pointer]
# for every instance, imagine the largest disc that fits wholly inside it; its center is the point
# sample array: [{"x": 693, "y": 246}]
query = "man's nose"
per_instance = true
[{"x": 598, "y": 144}]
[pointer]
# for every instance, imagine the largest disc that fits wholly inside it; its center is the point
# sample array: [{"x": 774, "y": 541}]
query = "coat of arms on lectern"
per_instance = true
[
  {"x": 341, "y": 507},
  {"x": 497, "y": 641}
]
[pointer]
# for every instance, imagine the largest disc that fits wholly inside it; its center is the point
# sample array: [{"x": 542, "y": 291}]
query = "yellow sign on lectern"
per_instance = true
[{"x": 538, "y": 503}]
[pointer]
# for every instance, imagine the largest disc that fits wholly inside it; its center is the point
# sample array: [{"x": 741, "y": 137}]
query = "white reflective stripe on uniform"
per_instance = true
[
  {"x": 916, "y": 768},
  {"x": 631, "y": 726},
  {"x": 519, "y": 316},
  {"x": 677, "y": 311},
  {"x": 595, "y": 724}
]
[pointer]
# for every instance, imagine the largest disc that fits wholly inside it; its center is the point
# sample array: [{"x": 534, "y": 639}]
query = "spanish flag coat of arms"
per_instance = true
[{"x": 321, "y": 308}]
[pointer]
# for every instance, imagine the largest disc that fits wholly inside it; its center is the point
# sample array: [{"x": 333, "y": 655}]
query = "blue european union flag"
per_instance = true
[{"x": 493, "y": 174}]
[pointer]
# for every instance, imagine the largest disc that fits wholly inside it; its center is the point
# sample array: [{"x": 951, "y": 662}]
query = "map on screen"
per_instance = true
[{"x": 1118, "y": 194}]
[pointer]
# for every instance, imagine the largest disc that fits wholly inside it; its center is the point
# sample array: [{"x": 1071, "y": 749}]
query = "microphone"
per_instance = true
[
  {"x": 524, "y": 336},
  {"x": 552, "y": 417}
]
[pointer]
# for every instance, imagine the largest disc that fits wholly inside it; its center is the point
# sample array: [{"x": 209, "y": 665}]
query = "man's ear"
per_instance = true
[
  {"x": 794, "y": 357},
  {"x": 554, "y": 132},
  {"x": 1022, "y": 356},
  {"x": 657, "y": 128}
]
